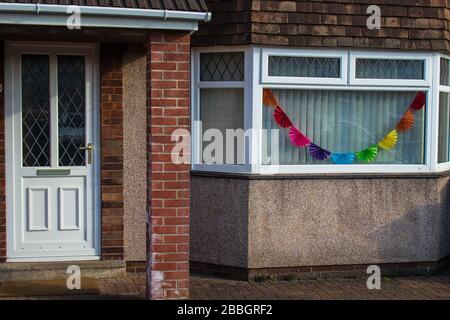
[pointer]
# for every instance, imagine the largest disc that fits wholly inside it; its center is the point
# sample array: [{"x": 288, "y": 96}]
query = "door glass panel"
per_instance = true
[
  {"x": 71, "y": 110},
  {"x": 35, "y": 111}
]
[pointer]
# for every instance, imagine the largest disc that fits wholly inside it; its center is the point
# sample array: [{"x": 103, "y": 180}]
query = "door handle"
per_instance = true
[{"x": 89, "y": 148}]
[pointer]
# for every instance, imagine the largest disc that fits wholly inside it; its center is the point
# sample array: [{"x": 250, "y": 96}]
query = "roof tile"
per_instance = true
[{"x": 407, "y": 24}]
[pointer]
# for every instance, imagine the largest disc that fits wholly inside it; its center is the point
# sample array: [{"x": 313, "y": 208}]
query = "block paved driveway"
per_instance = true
[{"x": 133, "y": 287}]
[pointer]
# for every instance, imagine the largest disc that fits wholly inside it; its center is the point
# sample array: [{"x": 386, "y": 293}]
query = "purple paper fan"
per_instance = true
[{"x": 318, "y": 153}]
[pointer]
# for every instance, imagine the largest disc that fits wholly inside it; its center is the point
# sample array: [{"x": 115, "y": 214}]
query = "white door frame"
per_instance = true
[{"x": 92, "y": 52}]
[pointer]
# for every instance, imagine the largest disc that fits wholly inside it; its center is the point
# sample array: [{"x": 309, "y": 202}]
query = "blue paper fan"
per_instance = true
[{"x": 343, "y": 158}]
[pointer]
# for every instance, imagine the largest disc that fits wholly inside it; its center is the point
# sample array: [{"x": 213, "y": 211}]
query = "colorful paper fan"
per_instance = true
[
  {"x": 368, "y": 155},
  {"x": 297, "y": 138},
  {"x": 407, "y": 122},
  {"x": 269, "y": 99},
  {"x": 318, "y": 153},
  {"x": 419, "y": 101},
  {"x": 389, "y": 141},
  {"x": 281, "y": 118},
  {"x": 343, "y": 158}
]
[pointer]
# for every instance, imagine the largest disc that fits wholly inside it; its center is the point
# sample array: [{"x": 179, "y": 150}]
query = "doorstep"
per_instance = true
[{"x": 17, "y": 271}]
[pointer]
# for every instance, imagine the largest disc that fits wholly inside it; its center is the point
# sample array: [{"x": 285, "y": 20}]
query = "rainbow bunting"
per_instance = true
[
  {"x": 297, "y": 138},
  {"x": 300, "y": 140},
  {"x": 318, "y": 153},
  {"x": 368, "y": 154},
  {"x": 343, "y": 158},
  {"x": 281, "y": 118},
  {"x": 269, "y": 99},
  {"x": 389, "y": 141},
  {"x": 407, "y": 122},
  {"x": 419, "y": 101}
]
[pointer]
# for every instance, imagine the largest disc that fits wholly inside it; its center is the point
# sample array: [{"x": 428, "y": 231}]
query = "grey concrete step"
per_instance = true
[{"x": 17, "y": 271}]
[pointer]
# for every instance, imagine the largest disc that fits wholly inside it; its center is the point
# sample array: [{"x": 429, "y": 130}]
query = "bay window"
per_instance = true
[
  {"x": 323, "y": 111},
  {"x": 444, "y": 114},
  {"x": 346, "y": 121},
  {"x": 219, "y": 88}
]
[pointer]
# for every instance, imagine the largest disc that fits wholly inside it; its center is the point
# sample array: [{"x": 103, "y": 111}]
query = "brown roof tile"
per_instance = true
[{"x": 406, "y": 24}]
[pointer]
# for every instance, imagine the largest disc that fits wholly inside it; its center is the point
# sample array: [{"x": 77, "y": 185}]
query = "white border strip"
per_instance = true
[{"x": 56, "y": 15}]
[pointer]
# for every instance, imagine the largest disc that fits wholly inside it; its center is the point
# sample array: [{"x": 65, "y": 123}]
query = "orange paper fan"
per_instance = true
[
  {"x": 407, "y": 122},
  {"x": 269, "y": 99}
]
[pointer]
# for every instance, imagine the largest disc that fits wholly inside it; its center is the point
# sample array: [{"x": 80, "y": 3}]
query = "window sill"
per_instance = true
[{"x": 300, "y": 176}]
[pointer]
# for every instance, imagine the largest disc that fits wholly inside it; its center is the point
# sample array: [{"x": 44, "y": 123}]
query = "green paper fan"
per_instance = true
[{"x": 368, "y": 155}]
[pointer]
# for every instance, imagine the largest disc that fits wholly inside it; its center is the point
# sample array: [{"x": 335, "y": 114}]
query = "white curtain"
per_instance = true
[
  {"x": 222, "y": 109},
  {"x": 445, "y": 72},
  {"x": 346, "y": 122},
  {"x": 444, "y": 123}
]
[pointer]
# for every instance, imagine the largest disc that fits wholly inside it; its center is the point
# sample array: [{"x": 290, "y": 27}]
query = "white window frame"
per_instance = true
[
  {"x": 426, "y": 58},
  {"x": 445, "y": 166},
  {"x": 197, "y": 85},
  {"x": 256, "y": 79},
  {"x": 307, "y": 53}
]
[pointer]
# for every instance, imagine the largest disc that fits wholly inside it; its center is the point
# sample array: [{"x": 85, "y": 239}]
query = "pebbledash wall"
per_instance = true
[
  {"x": 124, "y": 183},
  {"x": 285, "y": 225},
  {"x": 312, "y": 225}
]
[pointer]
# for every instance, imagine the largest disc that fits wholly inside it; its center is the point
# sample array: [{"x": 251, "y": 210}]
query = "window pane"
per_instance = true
[
  {"x": 445, "y": 72},
  {"x": 347, "y": 122},
  {"x": 389, "y": 69},
  {"x": 222, "y": 109},
  {"x": 308, "y": 67},
  {"x": 71, "y": 110},
  {"x": 223, "y": 66},
  {"x": 35, "y": 111},
  {"x": 444, "y": 124}
]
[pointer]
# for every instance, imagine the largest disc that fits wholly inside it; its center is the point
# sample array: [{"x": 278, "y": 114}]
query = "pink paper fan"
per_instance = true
[
  {"x": 297, "y": 138},
  {"x": 281, "y": 118},
  {"x": 318, "y": 153}
]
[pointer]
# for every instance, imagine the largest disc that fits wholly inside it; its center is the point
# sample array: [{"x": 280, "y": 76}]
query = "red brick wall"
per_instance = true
[
  {"x": 2, "y": 161},
  {"x": 405, "y": 24},
  {"x": 168, "y": 108},
  {"x": 111, "y": 136}
]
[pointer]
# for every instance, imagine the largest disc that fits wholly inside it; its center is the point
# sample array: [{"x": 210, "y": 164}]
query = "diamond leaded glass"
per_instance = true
[
  {"x": 305, "y": 67},
  {"x": 223, "y": 66},
  {"x": 71, "y": 110},
  {"x": 35, "y": 111},
  {"x": 389, "y": 69}
]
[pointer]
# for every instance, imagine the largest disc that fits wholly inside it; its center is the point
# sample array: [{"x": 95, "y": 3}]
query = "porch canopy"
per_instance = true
[{"x": 136, "y": 14}]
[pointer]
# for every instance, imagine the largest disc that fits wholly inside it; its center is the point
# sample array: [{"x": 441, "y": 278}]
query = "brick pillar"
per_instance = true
[
  {"x": 168, "y": 108},
  {"x": 111, "y": 153},
  {"x": 2, "y": 160}
]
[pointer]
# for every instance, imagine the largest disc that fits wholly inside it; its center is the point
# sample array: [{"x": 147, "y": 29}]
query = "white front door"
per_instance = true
[{"x": 52, "y": 150}]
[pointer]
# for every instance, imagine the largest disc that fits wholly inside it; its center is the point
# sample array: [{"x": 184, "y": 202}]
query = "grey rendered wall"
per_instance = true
[
  {"x": 134, "y": 136},
  {"x": 347, "y": 221},
  {"x": 219, "y": 221},
  {"x": 314, "y": 222}
]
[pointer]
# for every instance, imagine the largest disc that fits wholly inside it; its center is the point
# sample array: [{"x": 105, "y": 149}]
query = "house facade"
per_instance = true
[
  {"x": 343, "y": 131},
  {"x": 90, "y": 92},
  {"x": 343, "y": 111}
]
